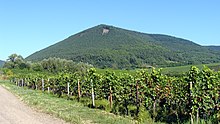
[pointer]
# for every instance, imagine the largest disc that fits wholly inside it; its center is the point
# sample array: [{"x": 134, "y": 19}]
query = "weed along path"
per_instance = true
[{"x": 13, "y": 111}]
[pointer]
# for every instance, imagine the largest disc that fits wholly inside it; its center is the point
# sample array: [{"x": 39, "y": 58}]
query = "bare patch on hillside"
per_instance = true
[{"x": 105, "y": 31}]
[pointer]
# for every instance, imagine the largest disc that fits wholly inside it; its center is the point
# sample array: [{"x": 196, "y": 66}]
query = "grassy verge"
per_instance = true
[{"x": 68, "y": 110}]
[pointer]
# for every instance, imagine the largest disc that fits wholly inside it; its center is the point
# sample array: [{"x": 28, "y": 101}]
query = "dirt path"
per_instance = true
[{"x": 13, "y": 111}]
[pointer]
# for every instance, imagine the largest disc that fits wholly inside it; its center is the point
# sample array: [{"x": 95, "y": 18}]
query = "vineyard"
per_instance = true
[{"x": 193, "y": 97}]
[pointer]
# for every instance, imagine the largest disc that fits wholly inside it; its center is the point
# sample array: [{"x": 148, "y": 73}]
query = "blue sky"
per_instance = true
[{"x": 27, "y": 26}]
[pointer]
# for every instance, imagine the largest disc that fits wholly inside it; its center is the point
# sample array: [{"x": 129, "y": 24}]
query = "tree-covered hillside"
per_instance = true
[{"x": 108, "y": 46}]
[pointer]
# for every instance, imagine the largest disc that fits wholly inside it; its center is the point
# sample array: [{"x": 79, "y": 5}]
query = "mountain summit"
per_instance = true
[{"x": 109, "y": 46}]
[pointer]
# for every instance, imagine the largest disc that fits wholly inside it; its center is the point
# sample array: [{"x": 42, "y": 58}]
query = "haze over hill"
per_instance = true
[
  {"x": 109, "y": 46},
  {"x": 1, "y": 63},
  {"x": 215, "y": 48}
]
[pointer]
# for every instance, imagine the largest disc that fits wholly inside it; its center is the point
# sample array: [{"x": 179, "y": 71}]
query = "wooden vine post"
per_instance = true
[
  {"x": 154, "y": 108},
  {"x": 36, "y": 84},
  {"x": 93, "y": 96},
  {"x": 42, "y": 80},
  {"x": 48, "y": 88},
  {"x": 68, "y": 89},
  {"x": 25, "y": 81},
  {"x": 137, "y": 98},
  {"x": 197, "y": 116},
  {"x": 191, "y": 114},
  {"x": 79, "y": 94},
  {"x": 110, "y": 96}
]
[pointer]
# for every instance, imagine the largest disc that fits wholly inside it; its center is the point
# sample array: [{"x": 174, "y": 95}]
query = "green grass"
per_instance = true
[{"x": 68, "y": 110}]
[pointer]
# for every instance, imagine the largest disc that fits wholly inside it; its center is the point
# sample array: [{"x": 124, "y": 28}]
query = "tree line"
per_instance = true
[{"x": 51, "y": 65}]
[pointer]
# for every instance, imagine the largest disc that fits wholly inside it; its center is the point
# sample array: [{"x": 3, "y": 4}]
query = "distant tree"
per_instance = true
[
  {"x": 15, "y": 61},
  {"x": 57, "y": 65},
  {"x": 14, "y": 57},
  {"x": 37, "y": 66}
]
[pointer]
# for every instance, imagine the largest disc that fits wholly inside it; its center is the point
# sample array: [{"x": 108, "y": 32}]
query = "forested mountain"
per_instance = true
[
  {"x": 1, "y": 63},
  {"x": 109, "y": 46}
]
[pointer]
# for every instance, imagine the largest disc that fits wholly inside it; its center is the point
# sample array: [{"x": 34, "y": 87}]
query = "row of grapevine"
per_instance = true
[{"x": 192, "y": 97}]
